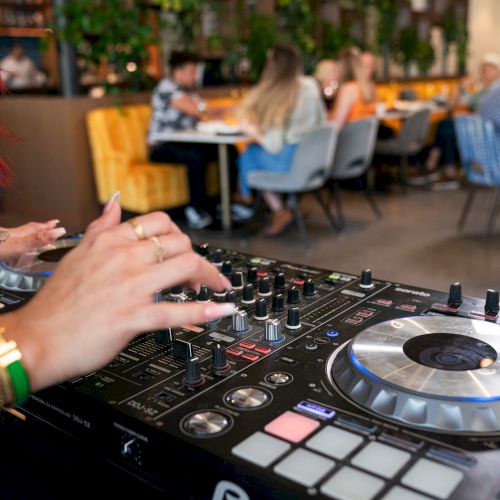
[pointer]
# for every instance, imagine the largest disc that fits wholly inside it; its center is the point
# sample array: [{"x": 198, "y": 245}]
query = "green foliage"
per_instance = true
[
  {"x": 107, "y": 31},
  {"x": 450, "y": 26},
  {"x": 406, "y": 51},
  {"x": 262, "y": 37},
  {"x": 387, "y": 13},
  {"x": 462, "y": 46},
  {"x": 425, "y": 56},
  {"x": 333, "y": 40}
]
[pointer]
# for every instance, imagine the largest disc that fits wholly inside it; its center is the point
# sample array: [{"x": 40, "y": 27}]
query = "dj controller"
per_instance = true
[{"x": 323, "y": 384}]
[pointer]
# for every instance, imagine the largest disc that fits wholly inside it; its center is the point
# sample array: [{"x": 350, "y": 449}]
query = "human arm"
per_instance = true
[
  {"x": 100, "y": 297},
  {"x": 343, "y": 104}
]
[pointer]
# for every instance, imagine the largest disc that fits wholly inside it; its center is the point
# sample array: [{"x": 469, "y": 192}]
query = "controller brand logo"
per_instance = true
[
  {"x": 226, "y": 490},
  {"x": 413, "y": 292}
]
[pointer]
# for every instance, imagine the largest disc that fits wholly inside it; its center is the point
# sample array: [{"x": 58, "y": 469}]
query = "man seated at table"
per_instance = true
[{"x": 176, "y": 107}]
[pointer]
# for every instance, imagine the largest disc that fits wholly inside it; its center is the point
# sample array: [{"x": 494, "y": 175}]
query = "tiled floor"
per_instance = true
[{"x": 416, "y": 243}]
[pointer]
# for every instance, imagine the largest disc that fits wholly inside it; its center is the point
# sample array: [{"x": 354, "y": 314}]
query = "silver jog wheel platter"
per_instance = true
[
  {"x": 29, "y": 272},
  {"x": 428, "y": 372}
]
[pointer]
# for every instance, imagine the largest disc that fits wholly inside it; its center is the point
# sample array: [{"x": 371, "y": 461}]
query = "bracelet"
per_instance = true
[{"x": 14, "y": 381}]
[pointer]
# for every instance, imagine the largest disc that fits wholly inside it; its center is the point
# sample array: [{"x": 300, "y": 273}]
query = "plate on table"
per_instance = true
[{"x": 218, "y": 127}]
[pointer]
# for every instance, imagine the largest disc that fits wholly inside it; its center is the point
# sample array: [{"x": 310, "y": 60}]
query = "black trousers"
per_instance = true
[{"x": 196, "y": 157}]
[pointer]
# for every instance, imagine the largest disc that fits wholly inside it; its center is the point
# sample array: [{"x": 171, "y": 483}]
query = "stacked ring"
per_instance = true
[
  {"x": 160, "y": 250},
  {"x": 138, "y": 229}
]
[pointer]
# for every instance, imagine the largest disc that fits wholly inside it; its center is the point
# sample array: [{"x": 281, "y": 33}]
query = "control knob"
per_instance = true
[
  {"x": 227, "y": 268},
  {"x": 308, "y": 289},
  {"x": 219, "y": 359},
  {"x": 252, "y": 275},
  {"x": 248, "y": 295},
  {"x": 240, "y": 321},
  {"x": 293, "y": 295},
  {"x": 237, "y": 280},
  {"x": 261, "y": 310},
  {"x": 279, "y": 281},
  {"x": 366, "y": 280},
  {"x": 278, "y": 303},
  {"x": 264, "y": 286},
  {"x": 273, "y": 331},
  {"x": 192, "y": 375},
  {"x": 455, "y": 295},
  {"x": 203, "y": 249},
  {"x": 203, "y": 295},
  {"x": 293, "y": 318},
  {"x": 491, "y": 306}
]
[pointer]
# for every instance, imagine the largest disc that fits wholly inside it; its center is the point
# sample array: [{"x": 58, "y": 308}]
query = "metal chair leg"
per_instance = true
[
  {"x": 373, "y": 204},
  {"x": 493, "y": 212},
  {"x": 403, "y": 173},
  {"x": 338, "y": 205},
  {"x": 293, "y": 203},
  {"x": 466, "y": 209},
  {"x": 328, "y": 213}
]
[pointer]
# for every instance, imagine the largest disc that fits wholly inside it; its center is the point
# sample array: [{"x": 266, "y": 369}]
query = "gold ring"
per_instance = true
[
  {"x": 138, "y": 229},
  {"x": 160, "y": 250}
]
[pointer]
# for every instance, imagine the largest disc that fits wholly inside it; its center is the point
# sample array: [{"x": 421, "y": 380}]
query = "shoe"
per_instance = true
[
  {"x": 239, "y": 212},
  {"x": 445, "y": 184},
  {"x": 196, "y": 218},
  {"x": 421, "y": 177},
  {"x": 281, "y": 220}
]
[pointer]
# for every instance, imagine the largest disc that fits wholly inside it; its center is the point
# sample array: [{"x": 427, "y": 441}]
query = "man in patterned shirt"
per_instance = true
[
  {"x": 489, "y": 106},
  {"x": 177, "y": 107}
]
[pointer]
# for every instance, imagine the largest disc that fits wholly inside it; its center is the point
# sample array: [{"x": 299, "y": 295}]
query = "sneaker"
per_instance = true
[
  {"x": 421, "y": 177},
  {"x": 239, "y": 212},
  {"x": 445, "y": 184},
  {"x": 196, "y": 218}
]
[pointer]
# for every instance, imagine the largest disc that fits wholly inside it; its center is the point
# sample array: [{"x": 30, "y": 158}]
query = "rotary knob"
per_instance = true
[
  {"x": 252, "y": 275},
  {"x": 491, "y": 306},
  {"x": 176, "y": 291},
  {"x": 248, "y": 295},
  {"x": 203, "y": 249},
  {"x": 192, "y": 375},
  {"x": 273, "y": 331},
  {"x": 217, "y": 257},
  {"x": 455, "y": 295},
  {"x": 264, "y": 286},
  {"x": 237, "y": 280},
  {"x": 227, "y": 268},
  {"x": 230, "y": 296},
  {"x": 366, "y": 279},
  {"x": 278, "y": 303},
  {"x": 219, "y": 359},
  {"x": 203, "y": 294},
  {"x": 239, "y": 321},
  {"x": 293, "y": 318},
  {"x": 293, "y": 295},
  {"x": 261, "y": 310},
  {"x": 308, "y": 289},
  {"x": 279, "y": 281}
]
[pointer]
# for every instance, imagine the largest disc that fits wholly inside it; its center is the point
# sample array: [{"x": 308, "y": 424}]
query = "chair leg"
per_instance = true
[
  {"x": 465, "y": 210},
  {"x": 493, "y": 212},
  {"x": 373, "y": 204},
  {"x": 293, "y": 203},
  {"x": 403, "y": 173},
  {"x": 338, "y": 205},
  {"x": 328, "y": 213}
]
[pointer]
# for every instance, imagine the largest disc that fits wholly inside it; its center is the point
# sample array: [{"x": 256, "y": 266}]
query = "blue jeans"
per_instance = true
[{"x": 256, "y": 157}]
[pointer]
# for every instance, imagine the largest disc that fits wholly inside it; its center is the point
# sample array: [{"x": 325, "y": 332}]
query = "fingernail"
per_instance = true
[
  {"x": 57, "y": 232},
  {"x": 110, "y": 202},
  {"x": 54, "y": 222},
  {"x": 219, "y": 310},
  {"x": 225, "y": 281}
]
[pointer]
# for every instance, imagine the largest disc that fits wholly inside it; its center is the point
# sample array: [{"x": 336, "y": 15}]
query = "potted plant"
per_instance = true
[
  {"x": 407, "y": 48},
  {"x": 425, "y": 57}
]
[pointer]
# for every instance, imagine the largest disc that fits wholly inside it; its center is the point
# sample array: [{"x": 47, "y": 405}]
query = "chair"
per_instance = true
[
  {"x": 409, "y": 141},
  {"x": 479, "y": 148},
  {"x": 353, "y": 158},
  {"x": 309, "y": 172},
  {"x": 117, "y": 137}
]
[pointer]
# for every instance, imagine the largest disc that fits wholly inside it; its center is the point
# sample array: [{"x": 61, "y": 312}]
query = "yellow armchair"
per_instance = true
[{"x": 117, "y": 138}]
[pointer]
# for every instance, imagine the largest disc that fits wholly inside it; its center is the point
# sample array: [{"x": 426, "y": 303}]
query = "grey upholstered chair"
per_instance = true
[
  {"x": 311, "y": 168},
  {"x": 410, "y": 140},
  {"x": 353, "y": 158}
]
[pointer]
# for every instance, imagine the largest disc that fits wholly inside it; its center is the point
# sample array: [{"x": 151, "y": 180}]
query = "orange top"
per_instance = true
[{"x": 360, "y": 109}]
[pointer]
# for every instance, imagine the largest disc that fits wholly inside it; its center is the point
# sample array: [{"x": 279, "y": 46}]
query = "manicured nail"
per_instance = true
[
  {"x": 57, "y": 232},
  {"x": 214, "y": 311},
  {"x": 54, "y": 222},
  {"x": 110, "y": 202}
]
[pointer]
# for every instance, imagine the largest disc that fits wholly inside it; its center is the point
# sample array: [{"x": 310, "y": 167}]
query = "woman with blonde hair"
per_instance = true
[
  {"x": 356, "y": 97},
  {"x": 276, "y": 114}
]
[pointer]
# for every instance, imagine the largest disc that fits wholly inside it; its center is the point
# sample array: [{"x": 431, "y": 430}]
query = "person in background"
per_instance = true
[
  {"x": 176, "y": 107},
  {"x": 18, "y": 71},
  {"x": 327, "y": 75},
  {"x": 276, "y": 114},
  {"x": 356, "y": 97},
  {"x": 489, "y": 108},
  {"x": 369, "y": 62},
  {"x": 444, "y": 151}
]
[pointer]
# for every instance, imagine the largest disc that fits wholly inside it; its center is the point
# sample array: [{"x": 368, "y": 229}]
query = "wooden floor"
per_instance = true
[{"x": 416, "y": 243}]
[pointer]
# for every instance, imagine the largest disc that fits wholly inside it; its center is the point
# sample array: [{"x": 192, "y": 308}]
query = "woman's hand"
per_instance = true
[
  {"x": 17, "y": 241},
  {"x": 101, "y": 296},
  {"x": 251, "y": 130}
]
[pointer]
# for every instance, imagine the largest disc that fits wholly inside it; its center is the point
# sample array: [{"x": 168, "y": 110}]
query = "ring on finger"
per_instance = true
[
  {"x": 138, "y": 229},
  {"x": 160, "y": 250}
]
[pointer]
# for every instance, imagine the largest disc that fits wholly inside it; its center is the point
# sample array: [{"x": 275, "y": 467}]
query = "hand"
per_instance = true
[
  {"x": 101, "y": 296},
  {"x": 251, "y": 130},
  {"x": 29, "y": 237}
]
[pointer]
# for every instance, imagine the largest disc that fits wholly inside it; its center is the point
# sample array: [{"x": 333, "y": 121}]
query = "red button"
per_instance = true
[
  {"x": 250, "y": 357},
  {"x": 262, "y": 350},
  {"x": 298, "y": 281},
  {"x": 261, "y": 274},
  {"x": 234, "y": 352},
  {"x": 247, "y": 345}
]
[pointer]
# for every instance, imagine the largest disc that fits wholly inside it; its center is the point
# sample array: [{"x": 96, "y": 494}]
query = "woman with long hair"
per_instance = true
[
  {"x": 276, "y": 114},
  {"x": 356, "y": 97}
]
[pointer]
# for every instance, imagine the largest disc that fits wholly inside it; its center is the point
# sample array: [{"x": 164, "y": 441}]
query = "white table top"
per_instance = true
[{"x": 200, "y": 137}]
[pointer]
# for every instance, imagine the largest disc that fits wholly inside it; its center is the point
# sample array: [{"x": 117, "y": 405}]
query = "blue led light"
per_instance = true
[
  {"x": 315, "y": 409},
  {"x": 369, "y": 374},
  {"x": 332, "y": 333}
]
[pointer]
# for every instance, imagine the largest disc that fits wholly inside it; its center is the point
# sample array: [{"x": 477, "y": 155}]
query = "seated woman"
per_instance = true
[
  {"x": 327, "y": 75},
  {"x": 356, "y": 96},
  {"x": 276, "y": 114}
]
